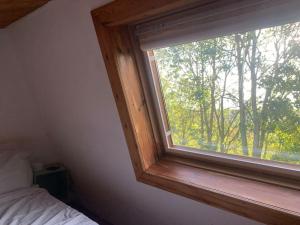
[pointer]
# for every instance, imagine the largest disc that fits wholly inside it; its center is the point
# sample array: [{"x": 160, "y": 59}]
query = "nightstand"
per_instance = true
[{"x": 55, "y": 179}]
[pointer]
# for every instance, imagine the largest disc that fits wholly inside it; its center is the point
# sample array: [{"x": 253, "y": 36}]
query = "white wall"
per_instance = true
[
  {"x": 20, "y": 122},
  {"x": 65, "y": 69}
]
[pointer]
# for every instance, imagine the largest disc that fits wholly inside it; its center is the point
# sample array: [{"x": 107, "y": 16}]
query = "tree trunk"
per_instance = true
[
  {"x": 256, "y": 150},
  {"x": 269, "y": 90},
  {"x": 204, "y": 126},
  {"x": 202, "y": 122},
  {"x": 212, "y": 95},
  {"x": 222, "y": 118},
  {"x": 242, "y": 110},
  {"x": 266, "y": 148}
]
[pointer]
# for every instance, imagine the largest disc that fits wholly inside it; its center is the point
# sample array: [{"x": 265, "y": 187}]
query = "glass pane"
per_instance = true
[{"x": 238, "y": 94}]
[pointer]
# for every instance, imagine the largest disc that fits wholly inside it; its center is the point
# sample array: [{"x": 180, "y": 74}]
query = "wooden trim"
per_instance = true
[
  {"x": 263, "y": 202},
  {"x": 287, "y": 175},
  {"x": 128, "y": 93},
  {"x": 252, "y": 199},
  {"x": 140, "y": 59},
  {"x": 161, "y": 106},
  {"x": 130, "y": 11},
  {"x": 237, "y": 170}
]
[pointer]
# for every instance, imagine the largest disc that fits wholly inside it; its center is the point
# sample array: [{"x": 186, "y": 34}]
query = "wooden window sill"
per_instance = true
[{"x": 267, "y": 203}]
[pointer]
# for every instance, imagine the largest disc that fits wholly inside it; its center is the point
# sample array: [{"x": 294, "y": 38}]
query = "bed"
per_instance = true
[
  {"x": 23, "y": 204},
  {"x": 35, "y": 206}
]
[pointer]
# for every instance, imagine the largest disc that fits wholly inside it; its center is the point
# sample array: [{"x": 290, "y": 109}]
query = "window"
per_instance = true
[
  {"x": 225, "y": 82},
  {"x": 208, "y": 96},
  {"x": 237, "y": 94}
]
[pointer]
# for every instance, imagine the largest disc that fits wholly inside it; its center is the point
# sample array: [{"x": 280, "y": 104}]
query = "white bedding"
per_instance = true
[{"x": 34, "y": 206}]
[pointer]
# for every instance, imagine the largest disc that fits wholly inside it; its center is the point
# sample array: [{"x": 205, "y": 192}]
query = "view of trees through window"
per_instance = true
[{"x": 237, "y": 94}]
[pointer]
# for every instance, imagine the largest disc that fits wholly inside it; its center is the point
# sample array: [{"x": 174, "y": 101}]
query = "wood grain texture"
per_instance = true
[
  {"x": 124, "y": 12},
  {"x": 12, "y": 10},
  {"x": 263, "y": 202},
  {"x": 126, "y": 85},
  {"x": 267, "y": 203}
]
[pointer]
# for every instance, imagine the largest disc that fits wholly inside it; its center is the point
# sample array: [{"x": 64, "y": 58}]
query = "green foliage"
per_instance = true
[{"x": 202, "y": 90}]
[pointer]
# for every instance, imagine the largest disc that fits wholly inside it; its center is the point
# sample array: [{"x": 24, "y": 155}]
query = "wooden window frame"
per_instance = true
[
  {"x": 256, "y": 195},
  {"x": 264, "y": 170}
]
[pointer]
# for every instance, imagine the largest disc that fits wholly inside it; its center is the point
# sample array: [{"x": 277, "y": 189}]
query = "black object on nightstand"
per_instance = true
[{"x": 55, "y": 179}]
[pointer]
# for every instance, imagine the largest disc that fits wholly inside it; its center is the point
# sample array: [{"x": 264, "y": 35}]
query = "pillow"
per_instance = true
[{"x": 15, "y": 171}]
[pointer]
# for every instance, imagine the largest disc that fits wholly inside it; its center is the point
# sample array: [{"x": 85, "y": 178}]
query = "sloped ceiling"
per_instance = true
[{"x": 12, "y": 10}]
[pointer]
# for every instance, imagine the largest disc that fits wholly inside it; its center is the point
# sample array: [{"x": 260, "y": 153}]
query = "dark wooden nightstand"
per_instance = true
[{"x": 55, "y": 179}]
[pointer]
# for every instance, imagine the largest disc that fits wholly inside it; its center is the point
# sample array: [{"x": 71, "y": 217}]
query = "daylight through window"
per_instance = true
[{"x": 237, "y": 94}]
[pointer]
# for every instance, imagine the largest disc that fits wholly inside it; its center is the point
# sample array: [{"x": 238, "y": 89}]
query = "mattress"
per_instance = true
[{"x": 35, "y": 206}]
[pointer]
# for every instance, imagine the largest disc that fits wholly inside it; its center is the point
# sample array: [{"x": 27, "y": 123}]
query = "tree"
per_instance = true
[
  {"x": 241, "y": 51},
  {"x": 238, "y": 94},
  {"x": 253, "y": 64}
]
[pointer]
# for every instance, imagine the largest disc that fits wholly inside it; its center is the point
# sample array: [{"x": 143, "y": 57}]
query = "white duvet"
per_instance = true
[{"x": 34, "y": 206}]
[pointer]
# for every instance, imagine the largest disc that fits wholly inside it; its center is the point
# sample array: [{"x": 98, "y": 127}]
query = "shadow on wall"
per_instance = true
[{"x": 24, "y": 144}]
